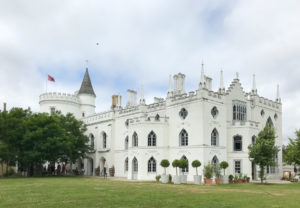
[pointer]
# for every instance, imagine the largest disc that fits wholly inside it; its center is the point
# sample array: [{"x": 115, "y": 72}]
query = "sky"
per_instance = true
[{"x": 143, "y": 42}]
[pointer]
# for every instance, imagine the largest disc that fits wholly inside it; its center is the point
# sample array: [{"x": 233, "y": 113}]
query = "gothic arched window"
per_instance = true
[
  {"x": 104, "y": 140},
  {"x": 215, "y": 160},
  {"x": 135, "y": 166},
  {"x": 126, "y": 164},
  {"x": 215, "y": 138},
  {"x": 152, "y": 139},
  {"x": 270, "y": 123},
  {"x": 126, "y": 143},
  {"x": 151, "y": 165},
  {"x": 135, "y": 140},
  {"x": 92, "y": 141},
  {"x": 183, "y": 138},
  {"x": 237, "y": 143},
  {"x": 253, "y": 140}
]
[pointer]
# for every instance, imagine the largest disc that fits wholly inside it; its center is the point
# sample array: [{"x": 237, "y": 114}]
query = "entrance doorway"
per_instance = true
[{"x": 135, "y": 168}]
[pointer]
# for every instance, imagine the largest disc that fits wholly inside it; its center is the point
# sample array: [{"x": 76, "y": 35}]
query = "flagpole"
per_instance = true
[{"x": 47, "y": 84}]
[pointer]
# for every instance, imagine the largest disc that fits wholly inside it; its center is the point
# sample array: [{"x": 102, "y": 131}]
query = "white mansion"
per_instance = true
[{"x": 201, "y": 125}]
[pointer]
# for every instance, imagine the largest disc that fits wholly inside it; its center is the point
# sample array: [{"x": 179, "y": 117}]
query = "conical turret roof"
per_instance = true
[{"x": 86, "y": 85}]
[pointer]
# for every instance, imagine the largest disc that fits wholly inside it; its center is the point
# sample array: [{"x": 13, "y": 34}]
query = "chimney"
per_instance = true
[
  {"x": 116, "y": 101},
  {"x": 4, "y": 107},
  {"x": 131, "y": 100}
]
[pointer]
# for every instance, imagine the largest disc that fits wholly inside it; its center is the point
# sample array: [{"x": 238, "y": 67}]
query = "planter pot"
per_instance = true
[
  {"x": 235, "y": 181},
  {"x": 240, "y": 181},
  {"x": 176, "y": 179},
  {"x": 208, "y": 181},
  {"x": 224, "y": 179},
  {"x": 157, "y": 179},
  {"x": 248, "y": 180},
  {"x": 218, "y": 180},
  {"x": 170, "y": 181},
  {"x": 230, "y": 181},
  {"x": 164, "y": 178},
  {"x": 197, "y": 179},
  {"x": 183, "y": 179}
]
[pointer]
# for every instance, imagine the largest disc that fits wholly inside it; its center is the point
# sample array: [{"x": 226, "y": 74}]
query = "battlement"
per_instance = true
[
  {"x": 268, "y": 103},
  {"x": 59, "y": 96},
  {"x": 103, "y": 116}
]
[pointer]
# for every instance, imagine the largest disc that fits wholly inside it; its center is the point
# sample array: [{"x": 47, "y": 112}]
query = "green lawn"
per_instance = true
[{"x": 95, "y": 192}]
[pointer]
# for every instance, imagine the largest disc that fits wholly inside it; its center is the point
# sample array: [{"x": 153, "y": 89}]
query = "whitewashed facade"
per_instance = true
[{"x": 201, "y": 125}]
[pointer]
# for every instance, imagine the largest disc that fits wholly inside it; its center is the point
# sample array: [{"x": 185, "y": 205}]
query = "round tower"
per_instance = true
[{"x": 86, "y": 96}]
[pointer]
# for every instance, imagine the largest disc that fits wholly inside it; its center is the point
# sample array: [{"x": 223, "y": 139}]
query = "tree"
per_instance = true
[
  {"x": 264, "y": 151},
  {"x": 33, "y": 139},
  {"x": 224, "y": 165},
  {"x": 165, "y": 163},
  {"x": 175, "y": 164},
  {"x": 196, "y": 164},
  {"x": 183, "y": 164},
  {"x": 291, "y": 153}
]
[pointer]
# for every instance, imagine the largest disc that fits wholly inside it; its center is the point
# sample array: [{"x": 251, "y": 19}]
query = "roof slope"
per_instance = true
[{"x": 86, "y": 85}]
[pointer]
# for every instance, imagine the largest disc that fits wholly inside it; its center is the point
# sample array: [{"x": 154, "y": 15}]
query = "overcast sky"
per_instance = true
[{"x": 142, "y": 42}]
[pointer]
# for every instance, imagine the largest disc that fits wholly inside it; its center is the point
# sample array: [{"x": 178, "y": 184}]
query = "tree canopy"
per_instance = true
[
  {"x": 264, "y": 151},
  {"x": 291, "y": 152},
  {"x": 33, "y": 139}
]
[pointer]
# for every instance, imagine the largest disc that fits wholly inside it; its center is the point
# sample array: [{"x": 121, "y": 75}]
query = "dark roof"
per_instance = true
[{"x": 86, "y": 85}]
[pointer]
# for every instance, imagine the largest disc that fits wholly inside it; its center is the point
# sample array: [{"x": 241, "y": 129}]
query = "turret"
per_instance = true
[
  {"x": 86, "y": 96},
  {"x": 222, "y": 88},
  {"x": 254, "y": 89}
]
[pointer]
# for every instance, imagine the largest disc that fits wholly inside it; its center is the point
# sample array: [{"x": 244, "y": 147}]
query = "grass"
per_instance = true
[{"x": 96, "y": 192}]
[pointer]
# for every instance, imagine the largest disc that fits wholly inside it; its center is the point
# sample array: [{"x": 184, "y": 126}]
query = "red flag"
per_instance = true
[{"x": 51, "y": 79}]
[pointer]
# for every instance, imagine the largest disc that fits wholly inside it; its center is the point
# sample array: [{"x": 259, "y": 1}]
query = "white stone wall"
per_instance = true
[{"x": 199, "y": 125}]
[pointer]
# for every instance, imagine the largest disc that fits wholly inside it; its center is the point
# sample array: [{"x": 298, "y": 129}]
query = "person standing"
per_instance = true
[{"x": 105, "y": 168}]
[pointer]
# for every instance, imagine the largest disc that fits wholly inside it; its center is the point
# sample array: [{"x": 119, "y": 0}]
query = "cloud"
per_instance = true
[{"x": 142, "y": 42}]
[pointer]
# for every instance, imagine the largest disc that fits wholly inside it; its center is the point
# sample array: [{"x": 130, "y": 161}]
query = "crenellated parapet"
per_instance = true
[
  {"x": 99, "y": 117},
  {"x": 57, "y": 96}
]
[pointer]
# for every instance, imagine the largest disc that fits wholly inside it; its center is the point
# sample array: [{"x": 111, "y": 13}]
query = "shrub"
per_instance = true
[
  {"x": 236, "y": 177},
  {"x": 9, "y": 172},
  {"x": 208, "y": 171},
  {"x": 170, "y": 177},
  {"x": 230, "y": 177},
  {"x": 196, "y": 164},
  {"x": 224, "y": 165},
  {"x": 158, "y": 177},
  {"x": 175, "y": 164},
  {"x": 217, "y": 171},
  {"x": 240, "y": 176},
  {"x": 183, "y": 164},
  {"x": 165, "y": 163}
]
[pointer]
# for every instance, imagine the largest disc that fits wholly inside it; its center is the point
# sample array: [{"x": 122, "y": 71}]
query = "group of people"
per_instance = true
[{"x": 51, "y": 170}]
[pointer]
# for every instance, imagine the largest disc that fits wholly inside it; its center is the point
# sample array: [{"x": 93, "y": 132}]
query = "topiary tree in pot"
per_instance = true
[
  {"x": 164, "y": 163},
  {"x": 176, "y": 178},
  {"x": 224, "y": 165},
  {"x": 183, "y": 164},
  {"x": 197, "y": 178}
]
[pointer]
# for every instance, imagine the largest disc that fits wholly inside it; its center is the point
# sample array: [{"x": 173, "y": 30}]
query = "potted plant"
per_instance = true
[
  {"x": 240, "y": 178},
  {"x": 235, "y": 180},
  {"x": 170, "y": 178},
  {"x": 245, "y": 178},
  {"x": 208, "y": 173},
  {"x": 183, "y": 164},
  {"x": 176, "y": 178},
  {"x": 157, "y": 178},
  {"x": 230, "y": 177},
  {"x": 197, "y": 178},
  {"x": 224, "y": 165},
  {"x": 217, "y": 173},
  {"x": 164, "y": 163},
  {"x": 248, "y": 179}
]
